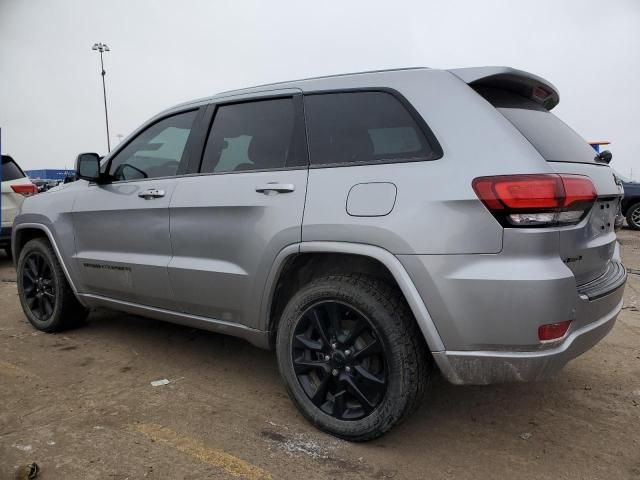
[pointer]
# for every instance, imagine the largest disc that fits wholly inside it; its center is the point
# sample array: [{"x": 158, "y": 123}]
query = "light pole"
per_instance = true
[{"x": 103, "y": 47}]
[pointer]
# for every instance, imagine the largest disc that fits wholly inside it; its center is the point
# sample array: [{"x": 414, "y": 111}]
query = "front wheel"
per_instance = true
[
  {"x": 351, "y": 355},
  {"x": 46, "y": 297},
  {"x": 633, "y": 216}
]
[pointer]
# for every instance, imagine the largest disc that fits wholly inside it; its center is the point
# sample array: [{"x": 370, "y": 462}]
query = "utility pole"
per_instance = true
[{"x": 103, "y": 47}]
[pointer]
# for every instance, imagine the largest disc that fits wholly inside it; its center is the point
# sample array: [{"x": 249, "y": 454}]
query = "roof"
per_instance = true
[
  {"x": 302, "y": 84},
  {"x": 506, "y": 77}
]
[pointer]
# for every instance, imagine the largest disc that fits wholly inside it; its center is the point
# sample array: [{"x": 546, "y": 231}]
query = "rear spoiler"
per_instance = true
[{"x": 523, "y": 83}]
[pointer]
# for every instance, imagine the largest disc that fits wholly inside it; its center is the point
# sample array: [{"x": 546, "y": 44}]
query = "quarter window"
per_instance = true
[
  {"x": 258, "y": 135},
  {"x": 353, "y": 127},
  {"x": 156, "y": 152}
]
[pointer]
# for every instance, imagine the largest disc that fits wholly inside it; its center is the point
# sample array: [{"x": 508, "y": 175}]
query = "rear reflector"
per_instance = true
[
  {"x": 553, "y": 331},
  {"x": 536, "y": 200},
  {"x": 26, "y": 190}
]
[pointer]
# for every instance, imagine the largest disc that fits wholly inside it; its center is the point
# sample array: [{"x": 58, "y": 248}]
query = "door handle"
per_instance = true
[
  {"x": 151, "y": 193},
  {"x": 275, "y": 187}
]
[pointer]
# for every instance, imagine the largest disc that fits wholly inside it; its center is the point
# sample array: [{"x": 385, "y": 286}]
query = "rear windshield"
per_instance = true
[
  {"x": 10, "y": 170},
  {"x": 550, "y": 136}
]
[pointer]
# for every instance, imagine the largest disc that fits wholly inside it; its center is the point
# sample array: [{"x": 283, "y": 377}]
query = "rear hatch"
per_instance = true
[{"x": 588, "y": 247}]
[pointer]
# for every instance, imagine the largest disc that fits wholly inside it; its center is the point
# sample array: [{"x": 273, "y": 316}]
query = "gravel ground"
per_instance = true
[{"x": 81, "y": 405}]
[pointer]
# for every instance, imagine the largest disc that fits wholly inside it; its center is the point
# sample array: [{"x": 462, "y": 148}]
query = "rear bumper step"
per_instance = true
[
  {"x": 611, "y": 279},
  {"x": 482, "y": 368}
]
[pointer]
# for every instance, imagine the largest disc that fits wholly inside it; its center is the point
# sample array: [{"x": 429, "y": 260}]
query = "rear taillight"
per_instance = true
[
  {"x": 536, "y": 200},
  {"x": 26, "y": 190}
]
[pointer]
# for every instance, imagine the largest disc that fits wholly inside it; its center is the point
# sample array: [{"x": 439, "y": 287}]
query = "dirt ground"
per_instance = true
[{"x": 81, "y": 405}]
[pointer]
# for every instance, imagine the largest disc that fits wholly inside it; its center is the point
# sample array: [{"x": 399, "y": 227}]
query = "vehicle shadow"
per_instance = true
[
  {"x": 7, "y": 272},
  {"x": 477, "y": 413}
]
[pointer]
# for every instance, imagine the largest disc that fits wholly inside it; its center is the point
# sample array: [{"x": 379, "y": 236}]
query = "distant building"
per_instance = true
[{"x": 49, "y": 174}]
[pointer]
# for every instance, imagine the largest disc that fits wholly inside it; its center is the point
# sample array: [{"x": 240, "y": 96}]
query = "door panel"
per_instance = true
[
  {"x": 229, "y": 224},
  {"x": 122, "y": 241},
  {"x": 122, "y": 228},
  {"x": 225, "y": 237}
]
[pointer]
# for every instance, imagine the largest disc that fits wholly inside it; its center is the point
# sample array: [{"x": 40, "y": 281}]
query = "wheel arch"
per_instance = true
[
  {"x": 296, "y": 265},
  {"x": 24, "y": 232}
]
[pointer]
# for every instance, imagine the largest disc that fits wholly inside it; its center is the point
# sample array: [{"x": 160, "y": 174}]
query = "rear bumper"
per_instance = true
[
  {"x": 485, "y": 367},
  {"x": 5, "y": 237}
]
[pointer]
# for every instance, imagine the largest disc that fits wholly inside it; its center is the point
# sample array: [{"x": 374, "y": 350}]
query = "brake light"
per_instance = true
[
  {"x": 553, "y": 331},
  {"x": 536, "y": 200},
  {"x": 26, "y": 190}
]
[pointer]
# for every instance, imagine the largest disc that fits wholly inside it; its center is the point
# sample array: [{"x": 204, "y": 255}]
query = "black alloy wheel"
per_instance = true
[
  {"x": 46, "y": 297},
  {"x": 39, "y": 286},
  {"x": 339, "y": 360}
]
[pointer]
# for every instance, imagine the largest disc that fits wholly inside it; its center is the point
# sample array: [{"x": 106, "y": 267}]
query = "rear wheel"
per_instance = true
[
  {"x": 351, "y": 355},
  {"x": 46, "y": 297},
  {"x": 633, "y": 216}
]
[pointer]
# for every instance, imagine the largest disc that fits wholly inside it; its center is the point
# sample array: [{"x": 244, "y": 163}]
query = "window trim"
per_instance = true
[
  {"x": 188, "y": 149},
  {"x": 436, "y": 149},
  {"x": 299, "y": 131}
]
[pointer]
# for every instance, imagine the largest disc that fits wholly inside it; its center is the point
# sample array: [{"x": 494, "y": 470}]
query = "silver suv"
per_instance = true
[{"x": 366, "y": 226}]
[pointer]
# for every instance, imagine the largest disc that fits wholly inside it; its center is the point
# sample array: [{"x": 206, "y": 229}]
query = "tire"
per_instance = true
[
  {"x": 399, "y": 356},
  {"x": 633, "y": 216},
  {"x": 54, "y": 307}
]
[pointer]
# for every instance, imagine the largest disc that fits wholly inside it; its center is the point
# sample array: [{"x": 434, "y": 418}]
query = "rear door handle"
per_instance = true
[
  {"x": 151, "y": 193},
  {"x": 275, "y": 187}
]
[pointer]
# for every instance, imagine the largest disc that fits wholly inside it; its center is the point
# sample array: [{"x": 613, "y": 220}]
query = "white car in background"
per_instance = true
[{"x": 15, "y": 187}]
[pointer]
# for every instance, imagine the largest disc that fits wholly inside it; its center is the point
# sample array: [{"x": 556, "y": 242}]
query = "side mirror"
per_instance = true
[
  {"x": 605, "y": 156},
  {"x": 88, "y": 167}
]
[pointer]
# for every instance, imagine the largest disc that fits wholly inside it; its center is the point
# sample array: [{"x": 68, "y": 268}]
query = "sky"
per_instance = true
[{"x": 166, "y": 52}]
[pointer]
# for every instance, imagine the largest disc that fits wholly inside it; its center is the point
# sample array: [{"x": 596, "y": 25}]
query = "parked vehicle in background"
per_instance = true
[
  {"x": 366, "y": 226},
  {"x": 630, "y": 207},
  {"x": 15, "y": 187},
  {"x": 40, "y": 184}
]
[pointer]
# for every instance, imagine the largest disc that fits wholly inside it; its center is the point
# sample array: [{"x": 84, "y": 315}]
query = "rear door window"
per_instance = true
[
  {"x": 255, "y": 135},
  {"x": 361, "y": 127},
  {"x": 549, "y": 135},
  {"x": 10, "y": 169}
]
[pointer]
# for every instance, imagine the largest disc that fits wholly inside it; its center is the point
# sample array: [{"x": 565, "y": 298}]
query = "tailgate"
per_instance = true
[{"x": 587, "y": 248}]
